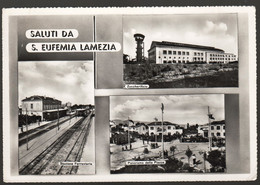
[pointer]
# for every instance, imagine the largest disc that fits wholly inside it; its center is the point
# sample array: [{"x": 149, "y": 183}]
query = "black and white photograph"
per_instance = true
[
  {"x": 181, "y": 51},
  {"x": 56, "y": 117},
  {"x": 167, "y": 134}
]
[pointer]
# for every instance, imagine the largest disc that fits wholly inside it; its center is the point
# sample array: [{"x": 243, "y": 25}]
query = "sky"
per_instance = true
[
  {"x": 67, "y": 81},
  {"x": 179, "y": 109},
  {"x": 216, "y": 30}
]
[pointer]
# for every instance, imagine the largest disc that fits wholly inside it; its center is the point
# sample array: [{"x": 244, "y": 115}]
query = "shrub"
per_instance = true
[{"x": 146, "y": 151}]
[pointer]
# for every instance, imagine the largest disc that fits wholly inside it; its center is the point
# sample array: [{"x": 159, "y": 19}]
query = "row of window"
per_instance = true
[
  {"x": 218, "y": 134},
  {"x": 169, "y": 127},
  {"x": 49, "y": 107},
  {"x": 170, "y": 52},
  {"x": 218, "y": 127},
  {"x": 198, "y": 54},
  {"x": 222, "y": 58},
  {"x": 175, "y": 61},
  {"x": 175, "y": 57},
  {"x": 221, "y": 55}
]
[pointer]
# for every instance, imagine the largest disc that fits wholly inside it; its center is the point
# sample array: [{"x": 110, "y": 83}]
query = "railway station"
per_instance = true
[{"x": 60, "y": 142}]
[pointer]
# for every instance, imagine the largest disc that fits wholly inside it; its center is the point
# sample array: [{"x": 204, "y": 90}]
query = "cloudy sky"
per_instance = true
[
  {"x": 68, "y": 81},
  {"x": 180, "y": 109},
  {"x": 216, "y": 30}
]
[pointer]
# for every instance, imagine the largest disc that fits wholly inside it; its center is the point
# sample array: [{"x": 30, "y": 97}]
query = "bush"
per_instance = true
[
  {"x": 172, "y": 149},
  {"x": 146, "y": 151}
]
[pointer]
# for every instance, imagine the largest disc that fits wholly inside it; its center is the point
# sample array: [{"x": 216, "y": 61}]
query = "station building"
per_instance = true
[
  {"x": 173, "y": 52},
  {"x": 41, "y": 106}
]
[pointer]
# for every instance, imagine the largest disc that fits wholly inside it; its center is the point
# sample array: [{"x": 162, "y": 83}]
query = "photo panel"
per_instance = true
[
  {"x": 168, "y": 134},
  {"x": 56, "y": 118},
  {"x": 180, "y": 50}
]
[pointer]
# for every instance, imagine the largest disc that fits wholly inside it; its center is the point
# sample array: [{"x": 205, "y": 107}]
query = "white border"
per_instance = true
[{"x": 130, "y": 177}]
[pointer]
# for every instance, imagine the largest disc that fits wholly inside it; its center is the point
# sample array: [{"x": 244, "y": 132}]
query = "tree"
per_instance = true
[
  {"x": 217, "y": 160},
  {"x": 188, "y": 153},
  {"x": 146, "y": 151},
  {"x": 172, "y": 149}
]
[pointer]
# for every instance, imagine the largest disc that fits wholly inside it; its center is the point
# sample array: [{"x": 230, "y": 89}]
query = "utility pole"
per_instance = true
[
  {"x": 210, "y": 138},
  {"x": 58, "y": 118},
  {"x": 162, "y": 132},
  {"x": 129, "y": 143},
  {"x": 27, "y": 147}
]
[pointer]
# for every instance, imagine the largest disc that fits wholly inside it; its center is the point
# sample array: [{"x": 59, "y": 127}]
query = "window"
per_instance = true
[
  {"x": 164, "y": 61},
  {"x": 218, "y": 134},
  {"x": 212, "y": 127},
  {"x": 170, "y": 57},
  {"x": 198, "y": 54},
  {"x": 218, "y": 127},
  {"x": 152, "y": 128},
  {"x": 174, "y": 52},
  {"x": 224, "y": 127},
  {"x": 164, "y": 52},
  {"x": 212, "y": 134},
  {"x": 201, "y": 54},
  {"x": 31, "y": 106},
  {"x": 169, "y": 52},
  {"x": 183, "y": 53},
  {"x": 169, "y": 127},
  {"x": 164, "y": 57},
  {"x": 224, "y": 134},
  {"x": 187, "y": 53},
  {"x": 195, "y": 53},
  {"x": 179, "y": 52}
]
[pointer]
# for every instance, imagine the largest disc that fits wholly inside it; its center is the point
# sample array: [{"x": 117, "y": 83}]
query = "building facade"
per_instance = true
[
  {"x": 37, "y": 105},
  {"x": 155, "y": 128},
  {"x": 217, "y": 129},
  {"x": 172, "y": 52}
]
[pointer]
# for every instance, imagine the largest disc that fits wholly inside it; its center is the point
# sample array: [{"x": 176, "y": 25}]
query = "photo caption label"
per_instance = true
[
  {"x": 52, "y": 34},
  {"x": 73, "y": 47}
]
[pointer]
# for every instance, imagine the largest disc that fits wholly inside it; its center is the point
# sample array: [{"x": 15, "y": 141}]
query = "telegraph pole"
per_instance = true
[
  {"x": 27, "y": 147},
  {"x": 129, "y": 143},
  {"x": 210, "y": 138},
  {"x": 58, "y": 119},
  {"x": 162, "y": 132}
]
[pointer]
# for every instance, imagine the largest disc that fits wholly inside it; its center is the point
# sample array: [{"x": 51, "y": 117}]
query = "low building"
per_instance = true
[
  {"x": 217, "y": 129},
  {"x": 173, "y": 52},
  {"x": 155, "y": 128},
  {"x": 141, "y": 128},
  {"x": 37, "y": 105}
]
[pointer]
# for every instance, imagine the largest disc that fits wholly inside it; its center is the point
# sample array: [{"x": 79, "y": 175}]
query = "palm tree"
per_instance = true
[{"x": 189, "y": 154}]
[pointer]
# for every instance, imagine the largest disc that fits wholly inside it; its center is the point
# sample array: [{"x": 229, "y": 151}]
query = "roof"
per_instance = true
[
  {"x": 176, "y": 44},
  {"x": 36, "y": 98},
  {"x": 155, "y": 123},
  {"x": 222, "y": 122}
]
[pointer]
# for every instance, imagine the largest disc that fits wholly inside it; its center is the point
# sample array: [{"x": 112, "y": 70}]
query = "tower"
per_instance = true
[{"x": 139, "y": 38}]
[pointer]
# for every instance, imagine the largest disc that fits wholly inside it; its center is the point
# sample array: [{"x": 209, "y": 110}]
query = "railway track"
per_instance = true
[
  {"x": 76, "y": 152},
  {"x": 39, "y": 131},
  {"x": 43, "y": 161}
]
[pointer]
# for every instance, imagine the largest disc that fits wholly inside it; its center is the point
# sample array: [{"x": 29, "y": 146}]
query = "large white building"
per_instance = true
[
  {"x": 155, "y": 128},
  {"x": 217, "y": 129},
  {"x": 172, "y": 52}
]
